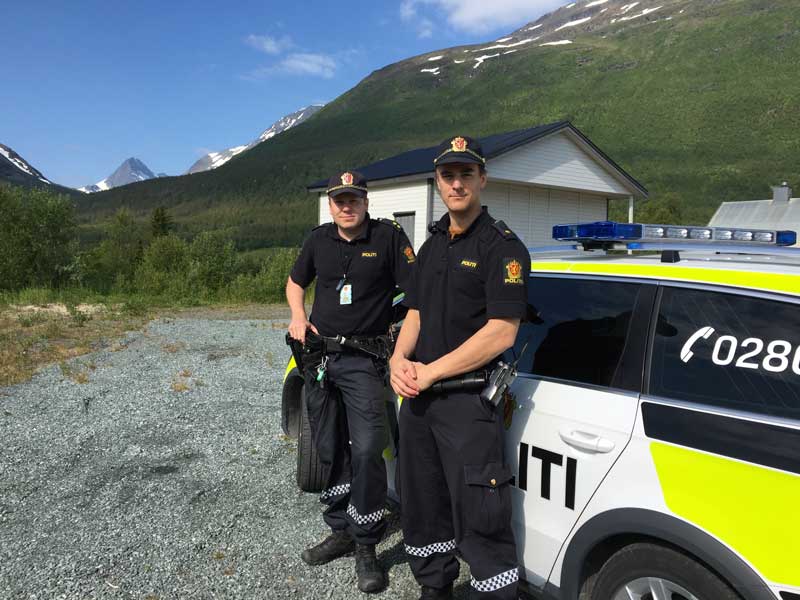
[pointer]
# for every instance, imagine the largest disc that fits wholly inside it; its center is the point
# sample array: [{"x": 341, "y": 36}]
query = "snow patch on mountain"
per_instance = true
[
  {"x": 646, "y": 11},
  {"x": 573, "y": 23},
  {"x": 480, "y": 59},
  {"x": 496, "y": 46},
  {"x": 21, "y": 164},
  {"x": 625, "y": 8},
  {"x": 217, "y": 159}
]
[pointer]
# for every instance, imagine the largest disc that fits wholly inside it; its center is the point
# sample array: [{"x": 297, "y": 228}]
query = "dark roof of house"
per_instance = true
[{"x": 419, "y": 161}]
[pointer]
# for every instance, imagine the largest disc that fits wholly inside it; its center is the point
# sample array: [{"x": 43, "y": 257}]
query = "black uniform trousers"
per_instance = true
[
  {"x": 348, "y": 422},
  {"x": 454, "y": 486}
]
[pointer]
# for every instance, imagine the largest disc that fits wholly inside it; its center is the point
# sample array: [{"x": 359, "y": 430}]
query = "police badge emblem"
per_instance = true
[
  {"x": 458, "y": 144},
  {"x": 347, "y": 178}
]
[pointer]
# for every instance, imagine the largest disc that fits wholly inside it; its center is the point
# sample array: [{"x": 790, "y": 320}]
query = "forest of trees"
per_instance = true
[{"x": 40, "y": 249}]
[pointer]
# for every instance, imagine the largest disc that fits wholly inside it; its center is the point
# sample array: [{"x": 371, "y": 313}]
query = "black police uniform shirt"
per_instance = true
[
  {"x": 461, "y": 283},
  {"x": 372, "y": 263}
]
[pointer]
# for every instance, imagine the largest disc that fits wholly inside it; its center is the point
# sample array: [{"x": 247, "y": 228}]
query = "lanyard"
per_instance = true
[{"x": 345, "y": 262}]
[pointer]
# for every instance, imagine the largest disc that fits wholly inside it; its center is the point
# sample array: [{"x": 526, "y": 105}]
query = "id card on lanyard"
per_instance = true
[
  {"x": 345, "y": 289},
  {"x": 346, "y": 294}
]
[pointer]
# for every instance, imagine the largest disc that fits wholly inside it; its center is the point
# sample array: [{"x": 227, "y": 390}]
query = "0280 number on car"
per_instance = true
[{"x": 780, "y": 354}]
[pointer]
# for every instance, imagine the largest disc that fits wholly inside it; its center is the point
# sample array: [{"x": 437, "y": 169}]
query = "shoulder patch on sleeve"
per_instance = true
[
  {"x": 394, "y": 224},
  {"x": 504, "y": 230},
  {"x": 512, "y": 271}
]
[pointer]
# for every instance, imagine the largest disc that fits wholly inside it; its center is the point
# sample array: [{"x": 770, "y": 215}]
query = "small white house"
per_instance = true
[
  {"x": 779, "y": 213},
  {"x": 538, "y": 177}
]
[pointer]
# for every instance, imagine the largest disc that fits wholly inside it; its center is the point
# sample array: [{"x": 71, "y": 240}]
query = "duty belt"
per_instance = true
[{"x": 379, "y": 347}]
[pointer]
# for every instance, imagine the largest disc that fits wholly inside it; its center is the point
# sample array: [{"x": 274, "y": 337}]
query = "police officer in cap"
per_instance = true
[
  {"x": 357, "y": 261},
  {"x": 465, "y": 306}
]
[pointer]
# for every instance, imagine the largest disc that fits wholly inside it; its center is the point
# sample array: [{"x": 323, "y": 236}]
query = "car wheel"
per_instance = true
[
  {"x": 309, "y": 469},
  {"x": 652, "y": 572}
]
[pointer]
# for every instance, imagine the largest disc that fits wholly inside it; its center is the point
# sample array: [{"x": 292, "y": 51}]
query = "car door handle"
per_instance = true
[{"x": 586, "y": 441}]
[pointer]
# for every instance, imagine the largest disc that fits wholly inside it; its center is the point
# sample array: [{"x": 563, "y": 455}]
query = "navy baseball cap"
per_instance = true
[
  {"x": 460, "y": 149},
  {"x": 348, "y": 182}
]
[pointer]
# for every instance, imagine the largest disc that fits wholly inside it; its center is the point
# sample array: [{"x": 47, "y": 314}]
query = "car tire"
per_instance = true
[
  {"x": 309, "y": 468},
  {"x": 639, "y": 566}
]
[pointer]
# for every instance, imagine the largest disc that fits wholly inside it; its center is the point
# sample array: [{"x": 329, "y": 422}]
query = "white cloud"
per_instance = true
[
  {"x": 409, "y": 14},
  {"x": 268, "y": 44},
  {"x": 475, "y": 16},
  {"x": 299, "y": 63},
  {"x": 320, "y": 65}
]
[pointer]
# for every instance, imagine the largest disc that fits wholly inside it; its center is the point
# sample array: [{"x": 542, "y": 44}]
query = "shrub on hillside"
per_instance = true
[
  {"x": 213, "y": 261},
  {"x": 165, "y": 269},
  {"x": 113, "y": 262},
  {"x": 269, "y": 283}
]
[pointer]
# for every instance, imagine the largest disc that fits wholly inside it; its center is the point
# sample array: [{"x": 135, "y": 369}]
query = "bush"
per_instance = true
[
  {"x": 269, "y": 284},
  {"x": 37, "y": 238},
  {"x": 164, "y": 269},
  {"x": 213, "y": 262},
  {"x": 112, "y": 264}
]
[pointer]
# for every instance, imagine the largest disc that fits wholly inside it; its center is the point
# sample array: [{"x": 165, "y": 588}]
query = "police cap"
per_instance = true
[
  {"x": 459, "y": 149},
  {"x": 348, "y": 182}
]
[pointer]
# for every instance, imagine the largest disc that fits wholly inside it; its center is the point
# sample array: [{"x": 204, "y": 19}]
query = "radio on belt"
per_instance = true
[{"x": 500, "y": 379}]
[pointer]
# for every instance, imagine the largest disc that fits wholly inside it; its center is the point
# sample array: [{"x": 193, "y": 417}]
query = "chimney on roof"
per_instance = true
[{"x": 781, "y": 194}]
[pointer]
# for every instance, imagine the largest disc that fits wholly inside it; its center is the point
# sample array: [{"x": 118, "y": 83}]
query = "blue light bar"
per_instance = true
[
  {"x": 600, "y": 231},
  {"x": 610, "y": 231}
]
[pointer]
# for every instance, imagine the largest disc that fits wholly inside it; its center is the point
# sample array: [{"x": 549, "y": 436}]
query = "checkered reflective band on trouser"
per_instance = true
[
  {"x": 455, "y": 486},
  {"x": 498, "y": 581},
  {"x": 360, "y": 519},
  {"x": 337, "y": 490},
  {"x": 434, "y": 548}
]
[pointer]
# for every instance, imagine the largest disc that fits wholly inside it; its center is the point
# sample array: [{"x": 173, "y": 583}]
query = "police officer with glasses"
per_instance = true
[
  {"x": 465, "y": 306},
  {"x": 357, "y": 262}
]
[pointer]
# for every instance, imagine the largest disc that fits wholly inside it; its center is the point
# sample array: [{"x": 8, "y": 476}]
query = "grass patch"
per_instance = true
[
  {"x": 173, "y": 347},
  {"x": 30, "y": 340},
  {"x": 179, "y": 386},
  {"x": 31, "y": 319}
]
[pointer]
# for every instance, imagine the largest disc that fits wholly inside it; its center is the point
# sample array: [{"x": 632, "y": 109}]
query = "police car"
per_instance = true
[{"x": 655, "y": 436}]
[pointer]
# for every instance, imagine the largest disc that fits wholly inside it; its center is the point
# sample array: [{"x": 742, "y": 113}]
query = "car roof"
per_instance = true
[{"x": 761, "y": 272}]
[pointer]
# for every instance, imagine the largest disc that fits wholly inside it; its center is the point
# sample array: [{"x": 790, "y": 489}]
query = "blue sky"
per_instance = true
[{"x": 88, "y": 84}]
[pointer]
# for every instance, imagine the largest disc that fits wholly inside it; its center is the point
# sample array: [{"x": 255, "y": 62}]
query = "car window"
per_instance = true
[
  {"x": 585, "y": 333},
  {"x": 728, "y": 350}
]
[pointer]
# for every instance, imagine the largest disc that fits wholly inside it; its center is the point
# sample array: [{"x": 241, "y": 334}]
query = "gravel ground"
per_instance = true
[{"x": 166, "y": 475}]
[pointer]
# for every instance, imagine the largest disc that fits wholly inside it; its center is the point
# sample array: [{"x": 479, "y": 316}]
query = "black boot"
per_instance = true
[
  {"x": 431, "y": 593},
  {"x": 335, "y": 545},
  {"x": 371, "y": 577}
]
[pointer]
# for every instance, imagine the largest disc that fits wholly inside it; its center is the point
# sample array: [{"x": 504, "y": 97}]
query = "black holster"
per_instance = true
[{"x": 306, "y": 355}]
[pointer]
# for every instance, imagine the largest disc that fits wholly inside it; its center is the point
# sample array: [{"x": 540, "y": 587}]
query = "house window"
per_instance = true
[{"x": 406, "y": 221}]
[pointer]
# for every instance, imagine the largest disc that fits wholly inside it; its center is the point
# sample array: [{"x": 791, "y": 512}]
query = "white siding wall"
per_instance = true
[
  {"x": 555, "y": 161},
  {"x": 384, "y": 201},
  {"x": 532, "y": 211}
]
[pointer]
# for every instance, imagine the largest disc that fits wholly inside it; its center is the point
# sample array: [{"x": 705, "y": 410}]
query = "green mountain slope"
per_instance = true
[{"x": 699, "y": 100}]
